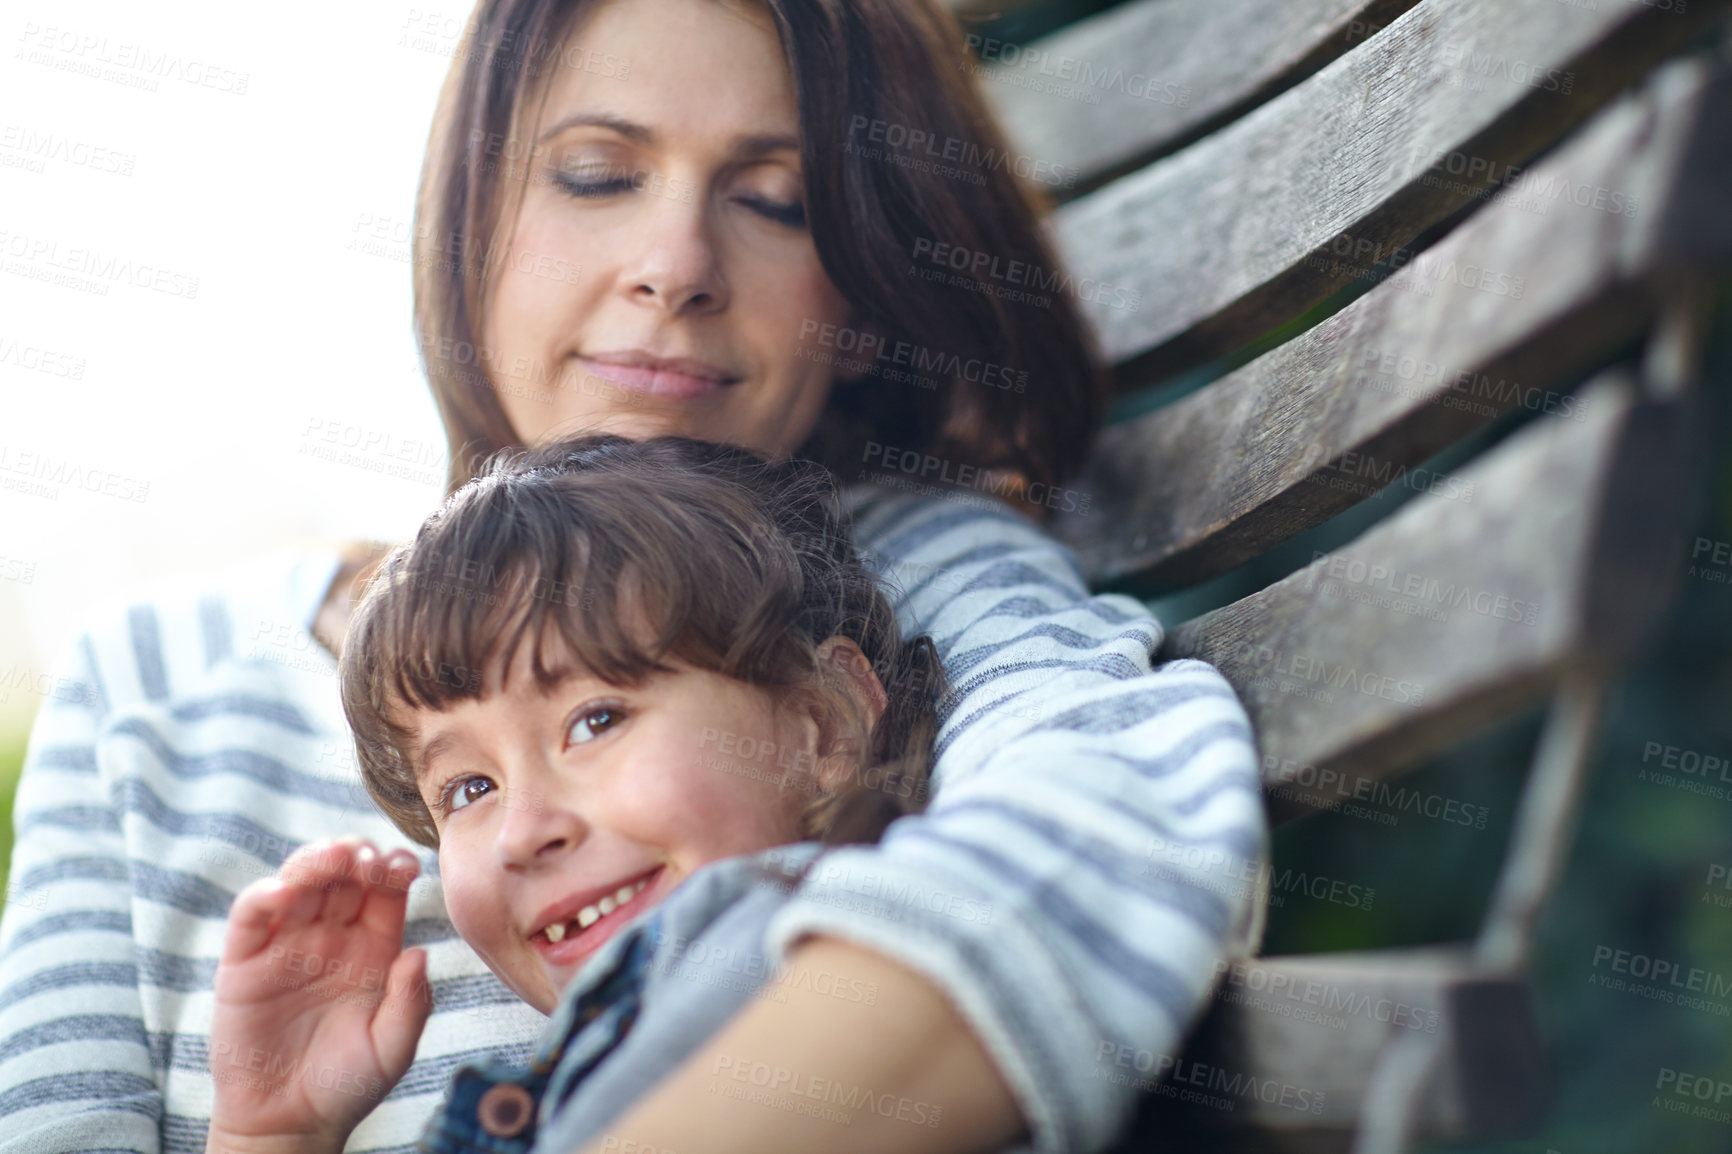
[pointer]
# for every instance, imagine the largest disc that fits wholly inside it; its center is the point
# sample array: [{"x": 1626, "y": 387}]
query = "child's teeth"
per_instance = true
[{"x": 590, "y": 915}]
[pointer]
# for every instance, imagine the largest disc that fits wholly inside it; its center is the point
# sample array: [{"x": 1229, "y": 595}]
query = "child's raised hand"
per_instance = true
[{"x": 318, "y": 1007}]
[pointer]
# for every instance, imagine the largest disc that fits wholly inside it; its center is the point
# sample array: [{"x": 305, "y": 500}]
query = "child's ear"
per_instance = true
[{"x": 845, "y": 734}]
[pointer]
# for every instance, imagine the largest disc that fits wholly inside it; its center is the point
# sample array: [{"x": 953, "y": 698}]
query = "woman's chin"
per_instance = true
[{"x": 637, "y": 426}]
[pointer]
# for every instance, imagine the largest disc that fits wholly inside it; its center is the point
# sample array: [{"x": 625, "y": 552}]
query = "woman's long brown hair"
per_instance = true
[{"x": 865, "y": 73}]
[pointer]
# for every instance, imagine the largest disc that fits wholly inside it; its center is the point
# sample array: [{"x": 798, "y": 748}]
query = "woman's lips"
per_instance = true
[
  {"x": 654, "y": 382},
  {"x": 579, "y": 943}
]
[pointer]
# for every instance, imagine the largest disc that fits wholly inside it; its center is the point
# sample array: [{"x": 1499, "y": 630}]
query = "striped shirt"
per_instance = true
[{"x": 1072, "y": 886}]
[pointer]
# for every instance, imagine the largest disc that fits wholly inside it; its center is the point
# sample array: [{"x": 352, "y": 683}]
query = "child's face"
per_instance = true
[{"x": 578, "y": 808}]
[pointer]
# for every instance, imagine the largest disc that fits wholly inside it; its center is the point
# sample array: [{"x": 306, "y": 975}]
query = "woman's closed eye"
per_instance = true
[
  {"x": 791, "y": 215},
  {"x": 598, "y": 180},
  {"x": 594, "y": 182}
]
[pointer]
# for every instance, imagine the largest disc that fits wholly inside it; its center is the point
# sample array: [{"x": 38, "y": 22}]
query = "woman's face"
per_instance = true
[{"x": 663, "y": 221}]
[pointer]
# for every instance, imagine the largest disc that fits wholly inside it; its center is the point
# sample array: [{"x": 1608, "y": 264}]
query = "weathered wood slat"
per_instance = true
[
  {"x": 1282, "y": 1060},
  {"x": 1529, "y": 291},
  {"x": 1115, "y": 90},
  {"x": 1696, "y": 229},
  {"x": 1229, "y": 238},
  {"x": 1452, "y": 612}
]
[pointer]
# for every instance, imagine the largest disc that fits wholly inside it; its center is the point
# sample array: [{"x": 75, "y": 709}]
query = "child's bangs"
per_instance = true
[{"x": 593, "y": 581}]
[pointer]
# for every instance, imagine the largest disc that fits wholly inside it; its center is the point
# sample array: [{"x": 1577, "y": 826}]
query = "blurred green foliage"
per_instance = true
[{"x": 12, "y": 739}]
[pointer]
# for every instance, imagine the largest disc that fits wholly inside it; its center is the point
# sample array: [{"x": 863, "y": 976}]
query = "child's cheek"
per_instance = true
[
  {"x": 476, "y": 918},
  {"x": 651, "y": 805}
]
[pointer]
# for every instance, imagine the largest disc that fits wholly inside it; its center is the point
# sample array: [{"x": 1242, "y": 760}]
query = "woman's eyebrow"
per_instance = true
[{"x": 751, "y": 145}]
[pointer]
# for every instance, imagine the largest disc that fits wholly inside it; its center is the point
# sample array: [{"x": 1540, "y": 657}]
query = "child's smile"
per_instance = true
[{"x": 563, "y": 936}]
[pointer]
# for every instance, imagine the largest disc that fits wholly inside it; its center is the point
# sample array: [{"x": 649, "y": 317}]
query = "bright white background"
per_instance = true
[{"x": 290, "y": 204}]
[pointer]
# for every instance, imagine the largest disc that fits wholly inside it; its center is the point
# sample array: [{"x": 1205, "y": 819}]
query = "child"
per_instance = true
[{"x": 599, "y": 668}]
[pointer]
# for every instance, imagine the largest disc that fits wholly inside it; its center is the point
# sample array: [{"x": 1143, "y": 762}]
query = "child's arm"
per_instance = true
[{"x": 318, "y": 1007}]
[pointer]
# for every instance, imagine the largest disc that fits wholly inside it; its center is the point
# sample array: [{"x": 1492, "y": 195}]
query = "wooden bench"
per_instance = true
[{"x": 1375, "y": 227}]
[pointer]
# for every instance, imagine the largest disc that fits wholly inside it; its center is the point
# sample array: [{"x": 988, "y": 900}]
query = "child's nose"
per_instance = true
[{"x": 534, "y": 829}]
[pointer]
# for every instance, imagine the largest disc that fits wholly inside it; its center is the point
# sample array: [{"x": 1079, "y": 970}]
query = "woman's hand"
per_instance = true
[
  {"x": 318, "y": 1006},
  {"x": 918, "y": 1080}
]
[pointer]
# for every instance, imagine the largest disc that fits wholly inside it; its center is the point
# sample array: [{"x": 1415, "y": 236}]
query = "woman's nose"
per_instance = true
[
  {"x": 674, "y": 264},
  {"x": 534, "y": 830}
]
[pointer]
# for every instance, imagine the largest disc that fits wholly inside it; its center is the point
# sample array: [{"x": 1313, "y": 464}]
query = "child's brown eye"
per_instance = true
[
  {"x": 465, "y": 790},
  {"x": 592, "y": 723}
]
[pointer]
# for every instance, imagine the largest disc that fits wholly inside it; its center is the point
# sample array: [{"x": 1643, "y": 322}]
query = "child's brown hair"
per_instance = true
[{"x": 741, "y": 566}]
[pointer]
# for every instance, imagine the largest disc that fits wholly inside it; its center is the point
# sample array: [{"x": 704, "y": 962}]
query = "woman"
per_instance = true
[{"x": 689, "y": 216}]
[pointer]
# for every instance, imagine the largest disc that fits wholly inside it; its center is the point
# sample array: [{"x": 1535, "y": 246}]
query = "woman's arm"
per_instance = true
[
  {"x": 1091, "y": 848},
  {"x": 910, "y": 1077},
  {"x": 75, "y": 1070},
  {"x": 1089, "y": 855}
]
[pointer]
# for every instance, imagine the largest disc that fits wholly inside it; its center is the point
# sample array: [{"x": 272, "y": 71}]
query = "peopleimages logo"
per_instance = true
[
  {"x": 139, "y": 66},
  {"x": 1082, "y": 73},
  {"x": 1331, "y": 787},
  {"x": 1309, "y": 675},
  {"x": 40, "y": 474},
  {"x": 40, "y": 360},
  {"x": 1165, "y": 1073},
  {"x": 1470, "y": 63},
  {"x": 1661, "y": 980},
  {"x": 784, "y": 1088},
  {"x": 994, "y": 481},
  {"x": 1420, "y": 588},
  {"x": 907, "y": 139},
  {"x": 990, "y": 266},
  {"x": 864, "y": 343}
]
